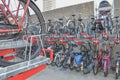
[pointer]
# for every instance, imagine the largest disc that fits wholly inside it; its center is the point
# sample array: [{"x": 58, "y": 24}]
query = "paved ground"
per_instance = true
[{"x": 54, "y": 73}]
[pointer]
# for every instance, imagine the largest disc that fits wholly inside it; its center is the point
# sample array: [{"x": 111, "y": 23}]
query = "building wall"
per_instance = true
[
  {"x": 39, "y": 3},
  {"x": 117, "y": 7},
  {"x": 85, "y": 10},
  {"x": 49, "y": 5},
  {"x": 66, "y": 3}
]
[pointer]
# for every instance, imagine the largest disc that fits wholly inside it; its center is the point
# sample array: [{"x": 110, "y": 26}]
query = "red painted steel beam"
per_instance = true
[
  {"x": 34, "y": 40},
  {"x": 7, "y": 51},
  {"x": 9, "y": 58},
  {"x": 27, "y": 74},
  {"x": 50, "y": 51},
  {"x": 10, "y": 30}
]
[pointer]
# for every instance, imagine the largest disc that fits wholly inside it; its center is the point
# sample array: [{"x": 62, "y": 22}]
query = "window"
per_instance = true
[{"x": 104, "y": 4}]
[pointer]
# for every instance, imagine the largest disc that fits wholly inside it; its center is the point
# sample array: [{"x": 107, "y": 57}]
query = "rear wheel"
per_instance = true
[
  {"x": 58, "y": 62},
  {"x": 30, "y": 26},
  {"x": 33, "y": 26},
  {"x": 33, "y": 22},
  {"x": 36, "y": 16}
]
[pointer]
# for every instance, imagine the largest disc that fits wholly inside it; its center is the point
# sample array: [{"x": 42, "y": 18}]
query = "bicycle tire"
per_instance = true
[
  {"x": 117, "y": 71},
  {"x": 78, "y": 69},
  {"x": 58, "y": 63},
  {"x": 71, "y": 66},
  {"x": 38, "y": 13},
  {"x": 116, "y": 75},
  {"x": 106, "y": 73},
  {"x": 40, "y": 19},
  {"x": 65, "y": 65},
  {"x": 95, "y": 68}
]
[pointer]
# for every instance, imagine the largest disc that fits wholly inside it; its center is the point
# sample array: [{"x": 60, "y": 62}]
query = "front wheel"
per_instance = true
[
  {"x": 95, "y": 67},
  {"x": 78, "y": 69},
  {"x": 116, "y": 76},
  {"x": 58, "y": 62},
  {"x": 65, "y": 64},
  {"x": 105, "y": 69},
  {"x": 53, "y": 63},
  {"x": 117, "y": 70},
  {"x": 84, "y": 66},
  {"x": 71, "y": 66}
]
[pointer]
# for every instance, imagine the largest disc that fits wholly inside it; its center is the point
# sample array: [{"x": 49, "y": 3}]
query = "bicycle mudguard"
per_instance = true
[{"x": 105, "y": 66}]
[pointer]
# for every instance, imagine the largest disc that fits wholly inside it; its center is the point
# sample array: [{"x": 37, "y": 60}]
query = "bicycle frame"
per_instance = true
[
  {"x": 100, "y": 57},
  {"x": 117, "y": 65},
  {"x": 107, "y": 61},
  {"x": 19, "y": 24}
]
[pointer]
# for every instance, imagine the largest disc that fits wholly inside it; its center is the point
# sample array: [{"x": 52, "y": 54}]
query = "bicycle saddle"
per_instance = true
[
  {"x": 106, "y": 52},
  {"x": 118, "y": 52},
  {"x": 60, "y": 18},
  {"x": 80, "y": 19},
  {"x": 49, "y": 20}
]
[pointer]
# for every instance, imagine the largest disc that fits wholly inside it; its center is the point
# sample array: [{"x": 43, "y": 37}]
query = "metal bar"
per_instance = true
[
  {"x": 10, "y": 12},
  {"x": 27, "y": 74},
  {"x": 18, "y": 10},
  {"x": 26, "y": 9},
  {"x": 21, "y": 67},
  {"x": 13, "y": 44},
  {"x": 9, "y": 30},
  {"x": 4, "y": 13}
]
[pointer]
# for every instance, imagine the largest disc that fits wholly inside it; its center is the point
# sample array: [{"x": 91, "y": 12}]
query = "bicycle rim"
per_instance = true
[{"x": 21, "y": 52}]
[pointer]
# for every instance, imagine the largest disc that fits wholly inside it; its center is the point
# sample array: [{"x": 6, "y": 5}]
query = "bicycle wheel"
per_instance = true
[
  {"x": 33, "y": 19},
  {"x": 34, "y": 25},
  {"x": 36, "y": 16},
  {"x": 105, "y": 69},
  {"x": 71, "y": 28},
  {"x": 65, "y": 64},
  {"x": 31, "y": 25},
  {"x": 117, "y": 70},
  {"x": 78, "y": 68},
  {"x": 58, "y": 62},
  {"x": 95, "y": 67},
  {"x": 71, "y": 65}
]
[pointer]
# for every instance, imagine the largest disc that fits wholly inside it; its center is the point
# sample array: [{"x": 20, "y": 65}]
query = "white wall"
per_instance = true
[
  {"x": 39, "y": 3},
  {"x": 64, "y": 3}
]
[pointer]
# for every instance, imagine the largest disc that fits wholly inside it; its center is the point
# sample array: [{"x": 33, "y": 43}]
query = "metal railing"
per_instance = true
[{"x": 19, "y": 67}]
